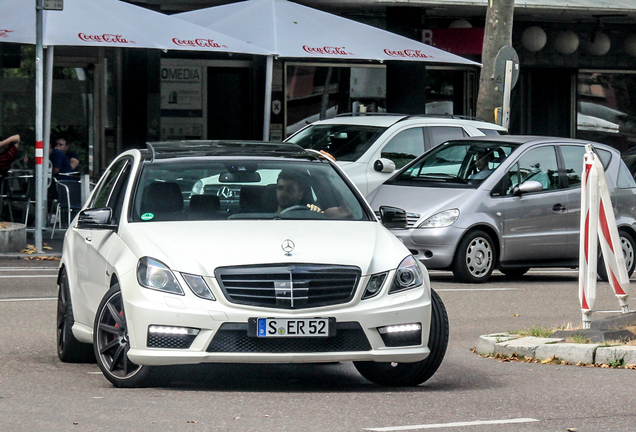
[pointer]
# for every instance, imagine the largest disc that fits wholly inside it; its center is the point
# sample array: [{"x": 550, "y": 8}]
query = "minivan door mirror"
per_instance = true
[
  {"x": 97, "y": 218},
  {"x": 384, "y": 165},
  {"x": 526, "y": 187},
  {"x": 393, "y": 217}
]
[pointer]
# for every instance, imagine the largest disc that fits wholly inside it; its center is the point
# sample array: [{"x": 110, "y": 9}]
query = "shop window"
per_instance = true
[{"x": 606, "y": 108}]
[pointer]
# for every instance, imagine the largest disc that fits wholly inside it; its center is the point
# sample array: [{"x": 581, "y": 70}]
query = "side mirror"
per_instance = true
[
  {"x": 393, "y": 217},
  {"x": 99, "y": 218},
  {"x": 526, "y": 187},
  {"x": 384, "y": 165}
]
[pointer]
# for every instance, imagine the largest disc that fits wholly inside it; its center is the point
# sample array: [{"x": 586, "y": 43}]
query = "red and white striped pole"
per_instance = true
[
  {"x": 610, "y": 242},
  {"x": 597, "y": 211},
  {"x": 588, "y": 255}
]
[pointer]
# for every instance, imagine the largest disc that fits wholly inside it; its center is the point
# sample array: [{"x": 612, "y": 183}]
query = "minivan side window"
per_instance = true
[
  {"x": 538, "y": 164},
  {"x": 573, "y": 158},
  {"x": 404, "y": 147},
  {"x": 440, "y": 134}
]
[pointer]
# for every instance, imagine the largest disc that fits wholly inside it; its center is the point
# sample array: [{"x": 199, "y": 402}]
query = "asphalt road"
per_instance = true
[{"x": 468, "y": 393}]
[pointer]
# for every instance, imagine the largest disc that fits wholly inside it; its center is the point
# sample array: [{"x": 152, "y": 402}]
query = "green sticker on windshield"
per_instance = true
[{"x": 147, "y": 216}]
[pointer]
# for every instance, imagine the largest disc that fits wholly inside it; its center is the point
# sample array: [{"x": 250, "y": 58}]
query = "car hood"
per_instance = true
[
  {"x": 425, "y": 201},
  {"x": 198, "y": 247}
]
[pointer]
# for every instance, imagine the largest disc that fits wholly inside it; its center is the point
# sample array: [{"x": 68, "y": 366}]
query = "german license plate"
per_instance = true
[{"x": 296, "y": 327}]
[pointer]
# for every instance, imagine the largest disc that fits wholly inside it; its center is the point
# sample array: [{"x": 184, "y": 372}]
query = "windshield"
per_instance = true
[
  {"x": 457, "y": 162},
  {"x": 343, "y": 142},
  {"x": 221, "y": 189}
]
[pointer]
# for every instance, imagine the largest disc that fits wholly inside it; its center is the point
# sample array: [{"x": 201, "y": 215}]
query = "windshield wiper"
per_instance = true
[{"x": 440, "y": 177}]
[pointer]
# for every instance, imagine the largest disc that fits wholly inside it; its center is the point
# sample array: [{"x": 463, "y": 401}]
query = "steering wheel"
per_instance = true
[{"x": 294, "y": 208}]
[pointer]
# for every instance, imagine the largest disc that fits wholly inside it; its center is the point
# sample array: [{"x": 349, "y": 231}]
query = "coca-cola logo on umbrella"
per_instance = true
[
  {"x": 108, "y": 38},
  {"x": 204, "y": 43},
  {"x": 5, "y": 33},
  {"x": 326, "y": 50},
  {"x": 407, "y": 53}
]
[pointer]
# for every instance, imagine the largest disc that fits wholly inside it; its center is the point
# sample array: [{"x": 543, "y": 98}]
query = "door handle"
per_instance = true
[
  {"x": 558, "y": 208},
  {"x": 89, "y": 238}
]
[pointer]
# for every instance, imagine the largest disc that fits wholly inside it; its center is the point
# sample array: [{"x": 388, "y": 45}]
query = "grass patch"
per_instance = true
[{"x": 535, "y": 331}]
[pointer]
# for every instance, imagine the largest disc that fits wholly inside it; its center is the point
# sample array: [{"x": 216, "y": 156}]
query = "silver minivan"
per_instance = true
[{"x": 503, "y": 202}]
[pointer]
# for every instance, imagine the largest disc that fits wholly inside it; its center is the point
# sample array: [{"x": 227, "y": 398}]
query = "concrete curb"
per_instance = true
[{"x": 546, "y": 348}]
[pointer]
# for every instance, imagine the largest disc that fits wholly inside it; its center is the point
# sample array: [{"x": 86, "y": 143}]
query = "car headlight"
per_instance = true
[
  {"x": 407, "y": 276},
  {"x": 441, "y": 219},
  {"x": 154, "y": 274},
  {"x": 374, "y": 286},
  {"x": 198, "y": 286}
]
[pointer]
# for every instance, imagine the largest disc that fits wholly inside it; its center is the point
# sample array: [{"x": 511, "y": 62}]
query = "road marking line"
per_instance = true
[
  {"x": 28, "y": 276},
  {"x": 27, "y": 268},
  {"x": 479, "y": 289},
  {"x": 28, "y": 299},
  {"x": 458, "y": 424}
]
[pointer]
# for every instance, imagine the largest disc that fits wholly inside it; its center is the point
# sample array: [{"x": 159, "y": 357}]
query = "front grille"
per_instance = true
[
  {"x": 232, "y": 338},
  {"x": 291, "y": 286},
  {"x": 170, "y": 341},
  {"x": 402, "y": 339},
  {"x": 411, "y": 219}
]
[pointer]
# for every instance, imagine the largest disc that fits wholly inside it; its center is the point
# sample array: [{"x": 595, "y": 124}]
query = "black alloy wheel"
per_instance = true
[
  {"x": 392, "y": 374},
  {"x": 110, "y": 339}
]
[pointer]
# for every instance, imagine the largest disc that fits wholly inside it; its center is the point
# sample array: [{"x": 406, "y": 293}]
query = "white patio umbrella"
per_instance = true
[
  {"x": 106, "y": 23},
  {"x": 291, "y": 30},
  {"x": 112, "y": 23}
]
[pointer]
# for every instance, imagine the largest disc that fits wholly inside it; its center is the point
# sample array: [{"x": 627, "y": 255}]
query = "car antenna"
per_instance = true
[{"x": 152, "y": 150}]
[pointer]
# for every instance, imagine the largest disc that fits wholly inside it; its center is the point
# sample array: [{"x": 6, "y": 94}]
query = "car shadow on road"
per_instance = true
[{"x": 307, "y": 377}]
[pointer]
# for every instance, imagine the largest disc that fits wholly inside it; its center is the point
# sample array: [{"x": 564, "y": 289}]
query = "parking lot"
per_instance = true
[{"x": 39, "y": 393}]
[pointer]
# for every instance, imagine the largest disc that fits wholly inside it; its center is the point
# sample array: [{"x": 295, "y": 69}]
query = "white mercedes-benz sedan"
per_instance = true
[{"x": 210, "y": 251}]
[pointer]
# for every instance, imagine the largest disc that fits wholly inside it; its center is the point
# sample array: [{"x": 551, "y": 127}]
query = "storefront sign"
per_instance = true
[{"x": 181, "y": 88}]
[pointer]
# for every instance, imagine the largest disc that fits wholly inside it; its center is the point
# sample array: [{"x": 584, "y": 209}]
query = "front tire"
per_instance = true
[
  {"x": 628, "y": 246},
  {"x": 475, "y": 258},
  {"x": 411, "y": 374},
  {"x": 110, "y": 339},
  {"x": 69, "y": 349}
]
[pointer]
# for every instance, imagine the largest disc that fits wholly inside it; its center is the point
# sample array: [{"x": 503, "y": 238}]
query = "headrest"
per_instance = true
[{"x": 162, "y": 197}]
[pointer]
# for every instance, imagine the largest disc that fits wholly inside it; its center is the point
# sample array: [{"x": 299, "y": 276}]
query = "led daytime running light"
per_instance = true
[
  {"x": 400, "y": 328},
  {"x": 154, "y": 329}
]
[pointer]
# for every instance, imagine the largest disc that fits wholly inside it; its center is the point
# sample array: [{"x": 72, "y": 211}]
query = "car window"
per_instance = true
[
  {"x": 456, "y": 163},
  {"x": 539, "y": 164},
  {"x": 625, "y": 179},
  {"x": 206, "y": 189},
  {"x": 104, "y": 189},
  {"x": 404, "y": 147},
  {"x": 343, "y": 142},
  {"x": 440, "y": 134},
  {"x": 573, "y": 158}
]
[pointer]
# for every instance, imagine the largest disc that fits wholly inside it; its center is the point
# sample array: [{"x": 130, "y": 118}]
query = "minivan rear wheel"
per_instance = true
[
  {"x": 474, "y": 258},
  {"x": 628, "y": 246}
]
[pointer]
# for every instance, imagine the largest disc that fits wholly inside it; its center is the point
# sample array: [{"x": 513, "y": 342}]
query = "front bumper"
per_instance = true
[
  {"x": 219, "y": 328},
  {"x": 435, "y": 247}
]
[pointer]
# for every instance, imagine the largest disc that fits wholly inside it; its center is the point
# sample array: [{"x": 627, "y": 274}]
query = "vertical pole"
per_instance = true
[
  {"x": 267, "y": 113},
  {"x": 39, "y": 96},
  {"x": 505, "y": 118},
  {"x": 48, "y": 100}
]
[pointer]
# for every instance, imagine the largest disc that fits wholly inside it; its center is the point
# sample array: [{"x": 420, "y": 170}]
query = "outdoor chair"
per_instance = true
[
  {"x": 17, "y": 191},
  {"x": 69, "y": 201}
]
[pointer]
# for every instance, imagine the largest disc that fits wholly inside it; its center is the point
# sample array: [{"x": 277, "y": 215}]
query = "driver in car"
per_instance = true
[{"x": 292, "y": 189}]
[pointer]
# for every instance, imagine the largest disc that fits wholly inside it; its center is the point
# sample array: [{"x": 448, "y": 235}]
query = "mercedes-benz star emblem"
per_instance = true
[{"x": 288, "y": 246}]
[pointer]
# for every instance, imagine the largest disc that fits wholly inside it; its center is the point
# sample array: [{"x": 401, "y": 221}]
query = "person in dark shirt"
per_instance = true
[
  {"x": 64, "y": 147},
  {"x": 60, "y": 163}
]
